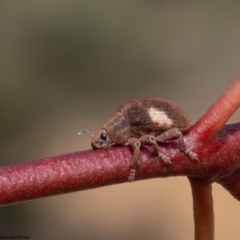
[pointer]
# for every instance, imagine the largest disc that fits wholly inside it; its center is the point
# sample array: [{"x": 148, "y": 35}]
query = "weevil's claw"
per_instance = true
[
  {"x": 131, "y": 176},
  {"x": 191, "y": 154},
  {"x": 165, "y": 159}
]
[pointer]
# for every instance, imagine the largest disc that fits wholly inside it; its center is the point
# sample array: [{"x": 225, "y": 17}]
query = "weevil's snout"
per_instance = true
[
  {"x": 101, "y": 140},
  {"x": 93, "y": 146}
]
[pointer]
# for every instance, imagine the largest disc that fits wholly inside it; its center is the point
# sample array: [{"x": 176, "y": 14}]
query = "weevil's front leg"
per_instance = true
[
  {"x": 175, "y": 133},
  {"x": 135, "y": 144},
  {"x": 150, "y": 140}
]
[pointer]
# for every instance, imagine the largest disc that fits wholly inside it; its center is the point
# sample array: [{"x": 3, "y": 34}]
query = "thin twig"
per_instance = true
[
  {"x": 212, "y": 122},
  {"x": 202, "y": 209}
]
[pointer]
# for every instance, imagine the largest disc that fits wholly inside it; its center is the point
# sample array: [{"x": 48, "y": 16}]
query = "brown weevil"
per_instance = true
[{"x": 144, "y": 121}]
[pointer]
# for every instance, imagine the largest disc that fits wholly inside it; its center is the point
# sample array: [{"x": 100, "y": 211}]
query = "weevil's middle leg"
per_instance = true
[
  {"x": 175, "y": 133},
  {"x": 135, "y": 144},
  {"x": 150, "y": 140}
]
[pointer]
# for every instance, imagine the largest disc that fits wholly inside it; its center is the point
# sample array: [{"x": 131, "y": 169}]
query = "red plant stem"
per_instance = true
[
  {"x": 218, "y": 114},
  {"x": 206, "y": 129},
  {"x": 96, "y": 168},
  {"x": 202, "y": 209},
  {"x": 231, "y": 182}
]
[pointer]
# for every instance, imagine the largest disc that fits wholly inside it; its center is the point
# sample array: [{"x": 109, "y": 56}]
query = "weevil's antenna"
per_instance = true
[{"x": 86, "y": 131}]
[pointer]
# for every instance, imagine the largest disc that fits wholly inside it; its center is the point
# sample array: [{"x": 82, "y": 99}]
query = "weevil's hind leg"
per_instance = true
[
  {"x": 175, "y": 133},
  {"x": 150, "y": 140},
  {"x": 187, "y": 151},
  {"x": 135, "y": 144}
]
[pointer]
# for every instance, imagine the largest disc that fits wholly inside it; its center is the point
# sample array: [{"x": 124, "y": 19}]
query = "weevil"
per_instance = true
[{"x": 146, "y": 121}]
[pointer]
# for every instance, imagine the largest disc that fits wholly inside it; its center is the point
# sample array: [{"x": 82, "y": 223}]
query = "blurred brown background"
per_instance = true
[{"x": 67, "y": 65}]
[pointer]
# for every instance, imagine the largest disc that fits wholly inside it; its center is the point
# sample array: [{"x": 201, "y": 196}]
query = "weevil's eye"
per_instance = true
[{"x": 104, "y": 136}]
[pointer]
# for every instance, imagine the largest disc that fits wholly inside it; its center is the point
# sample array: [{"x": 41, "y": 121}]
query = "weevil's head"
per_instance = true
[{"x": 101, "y": 140}]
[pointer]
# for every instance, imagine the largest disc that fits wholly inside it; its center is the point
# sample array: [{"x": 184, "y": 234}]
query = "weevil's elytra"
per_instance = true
[
  {"x": 144, "y": 121},
  {"x": 159, "y": 117}
]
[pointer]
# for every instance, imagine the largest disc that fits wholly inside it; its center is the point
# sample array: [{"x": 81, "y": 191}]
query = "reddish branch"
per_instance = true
[
  {"x": 202, "y": 209},
  {"x": 216, "y": 145}
]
